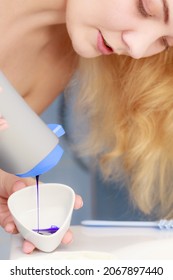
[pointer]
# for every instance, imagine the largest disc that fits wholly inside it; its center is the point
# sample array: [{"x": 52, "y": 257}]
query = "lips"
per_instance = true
[{"x": 102, "y": 45}]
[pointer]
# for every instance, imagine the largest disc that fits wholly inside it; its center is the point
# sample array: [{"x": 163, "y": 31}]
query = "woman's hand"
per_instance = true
[{"x": 10, "y": 183}]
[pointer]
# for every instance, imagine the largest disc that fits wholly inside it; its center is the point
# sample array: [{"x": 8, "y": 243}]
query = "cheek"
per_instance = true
[
  {"x": 154, "y": 49},
  {"x": 111, "y": 15},
  {"x": 118, "y": 14},
  {"x": 74, "y": 19}
]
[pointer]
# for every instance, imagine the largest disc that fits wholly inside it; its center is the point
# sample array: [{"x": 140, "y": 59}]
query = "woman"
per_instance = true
[{"x": 125, "y": 88}]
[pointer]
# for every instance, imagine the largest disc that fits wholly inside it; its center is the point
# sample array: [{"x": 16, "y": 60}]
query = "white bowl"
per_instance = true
[{"x": 56, "y": 203}]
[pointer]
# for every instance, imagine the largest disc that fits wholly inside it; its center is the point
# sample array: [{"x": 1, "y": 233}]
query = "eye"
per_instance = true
[{"x": 142, "y": 9}]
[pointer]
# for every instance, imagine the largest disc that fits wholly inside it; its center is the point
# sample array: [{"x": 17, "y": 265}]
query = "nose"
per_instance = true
[{"x": 141, "y": 44}]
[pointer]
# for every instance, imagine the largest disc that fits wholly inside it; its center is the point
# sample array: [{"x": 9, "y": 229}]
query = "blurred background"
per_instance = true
[{"x": 106, "y": 201}]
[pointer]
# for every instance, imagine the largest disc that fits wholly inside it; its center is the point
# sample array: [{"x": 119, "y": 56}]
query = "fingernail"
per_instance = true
[
  {"x": 9, "y": 228},
  {"x": 19, "y": 185},
  {"x": 67, "y": 242}
]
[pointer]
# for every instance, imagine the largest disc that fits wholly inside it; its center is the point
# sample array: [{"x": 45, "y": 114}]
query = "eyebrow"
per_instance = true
[{"x": 166, "y": 11}]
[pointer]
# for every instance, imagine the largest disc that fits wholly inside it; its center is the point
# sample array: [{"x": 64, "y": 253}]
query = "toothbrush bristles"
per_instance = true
[{"x": 165, "y": 224}]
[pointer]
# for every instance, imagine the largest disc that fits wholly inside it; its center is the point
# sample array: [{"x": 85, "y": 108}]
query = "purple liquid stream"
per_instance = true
[
  {"x": 53, "y": 228},
  {"x": 38, "y": 203}
]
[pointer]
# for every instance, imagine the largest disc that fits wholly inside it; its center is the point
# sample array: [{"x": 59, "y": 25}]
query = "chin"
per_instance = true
[{"x": 87, "y": 52}]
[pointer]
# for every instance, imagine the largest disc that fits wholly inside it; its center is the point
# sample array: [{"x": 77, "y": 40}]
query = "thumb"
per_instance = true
[{"x": 22, "y": 183}]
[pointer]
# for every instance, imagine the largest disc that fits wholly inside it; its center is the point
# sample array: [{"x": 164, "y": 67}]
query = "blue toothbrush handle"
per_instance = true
[
  {"x": 161, "y": 224},
  {"x": 103, "y": 223}
]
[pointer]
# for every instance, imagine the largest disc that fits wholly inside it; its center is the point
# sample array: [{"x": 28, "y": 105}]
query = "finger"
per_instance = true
[
  {"x": 6, "y": 220},
  {"x": 10, "y": 228},
  {"x": 78, "y": 202},
  {"x": 20, "y": 184},
  {"x": 28, "y": 247},
  {"x": 68, "y": 237}
]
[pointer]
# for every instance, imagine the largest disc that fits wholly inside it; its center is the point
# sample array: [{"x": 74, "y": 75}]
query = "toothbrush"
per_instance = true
[
  {"x": 51, "y": 230},
  {"x": 161, "y": 224}
]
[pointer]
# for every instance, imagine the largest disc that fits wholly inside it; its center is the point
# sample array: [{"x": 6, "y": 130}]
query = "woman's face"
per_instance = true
[{"x": 137, "y": 28}]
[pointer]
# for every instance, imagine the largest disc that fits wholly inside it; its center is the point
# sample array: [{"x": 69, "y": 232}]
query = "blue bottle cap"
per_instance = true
[{"x": 51, "y": 159}]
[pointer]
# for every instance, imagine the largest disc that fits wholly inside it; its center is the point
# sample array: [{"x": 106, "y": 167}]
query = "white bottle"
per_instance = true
[{"x": 28, "y": 147}]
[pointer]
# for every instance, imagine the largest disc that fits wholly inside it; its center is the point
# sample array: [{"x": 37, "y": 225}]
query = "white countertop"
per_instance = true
[{"x": 106, "y": 243}]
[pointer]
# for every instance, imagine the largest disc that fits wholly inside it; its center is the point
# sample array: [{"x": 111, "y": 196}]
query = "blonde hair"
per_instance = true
[{"x": 129, "y": 105}]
